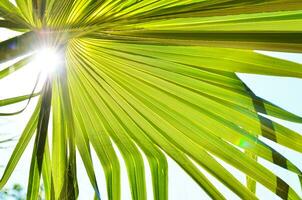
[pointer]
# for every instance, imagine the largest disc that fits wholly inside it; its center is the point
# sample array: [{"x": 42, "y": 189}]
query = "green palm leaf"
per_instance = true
[{"x": 155, "y": 78}]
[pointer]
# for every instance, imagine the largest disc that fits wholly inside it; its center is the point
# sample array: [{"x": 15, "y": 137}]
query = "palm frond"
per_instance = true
[{"x": 155, "y": 78}]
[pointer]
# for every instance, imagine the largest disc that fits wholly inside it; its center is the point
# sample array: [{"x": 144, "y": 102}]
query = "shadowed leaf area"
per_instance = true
[{"x": 155, "y": 78}]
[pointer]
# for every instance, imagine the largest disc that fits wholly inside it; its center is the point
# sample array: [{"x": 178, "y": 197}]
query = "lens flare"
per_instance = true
[{"x": 47, "y": 60}]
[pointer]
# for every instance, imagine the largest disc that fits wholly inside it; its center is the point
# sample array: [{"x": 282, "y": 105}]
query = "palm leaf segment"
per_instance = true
[{"x": 155, "y": 77}]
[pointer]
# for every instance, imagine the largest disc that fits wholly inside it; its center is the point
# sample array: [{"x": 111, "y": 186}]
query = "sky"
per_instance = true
[{"x": 284, "y": 92}]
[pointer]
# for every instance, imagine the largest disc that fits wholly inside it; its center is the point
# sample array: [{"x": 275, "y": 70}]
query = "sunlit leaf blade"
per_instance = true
[
  {"x": 290, "y": 42},
  {"x": 59, "y": 143},
  {"x": 64, "y": 155},
  {"x": 71, "y": 185},
  {"x": 251, "y": 183},
  {"x": 14, "y": 67},
  {"x": 9, "y": 12},
  {"x": 13, "y": 100},
  {"x": 11, "y": 25},
  {"x": 39, "y": 7},
  {"x": 102, "y": 145},
  {"x": 46, "y": 172},
  {"x": 21, "y": 145},
  {"x": 40, "y": 141},
  {"x": 85, "y": 152},
  {"x": 17, "y": 46},
  {"x": 203, "y": 58}
]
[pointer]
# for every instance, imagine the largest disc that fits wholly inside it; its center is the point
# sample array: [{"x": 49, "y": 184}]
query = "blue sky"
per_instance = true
[{"x": 285, "y": 92}]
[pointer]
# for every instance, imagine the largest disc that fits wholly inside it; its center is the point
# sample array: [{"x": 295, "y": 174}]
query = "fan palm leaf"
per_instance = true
[{"x": 155, "y": 78}]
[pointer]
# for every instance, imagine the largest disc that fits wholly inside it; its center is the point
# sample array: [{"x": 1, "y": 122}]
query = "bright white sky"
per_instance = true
[{"x": 285, "y": 92}]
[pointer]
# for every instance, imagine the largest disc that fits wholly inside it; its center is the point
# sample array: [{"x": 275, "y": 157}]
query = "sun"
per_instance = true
[{"x": 47, "y": 60}]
